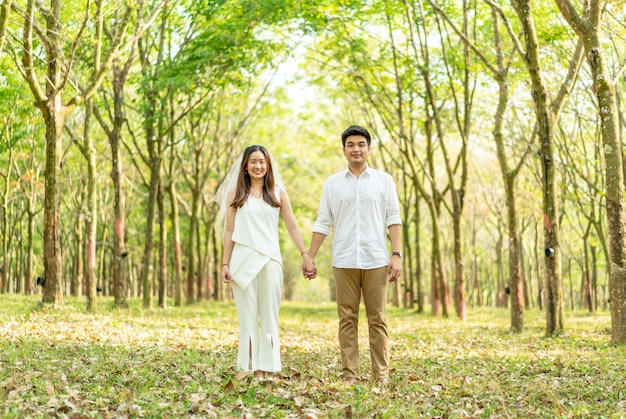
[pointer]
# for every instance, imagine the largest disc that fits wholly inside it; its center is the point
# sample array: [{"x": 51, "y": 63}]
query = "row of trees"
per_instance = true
[
  {"x": 441, "y": 67},
  {"x": 500, "y": 121}
]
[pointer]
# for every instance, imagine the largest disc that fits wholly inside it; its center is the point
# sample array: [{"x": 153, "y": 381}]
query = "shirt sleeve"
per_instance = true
[
  {"x": 324, "y": 215},
  {"x": 393, "y": 206}
]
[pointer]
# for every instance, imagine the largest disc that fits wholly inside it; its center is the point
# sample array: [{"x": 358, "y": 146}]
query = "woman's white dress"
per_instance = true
[{"x": 256, "y": 268}]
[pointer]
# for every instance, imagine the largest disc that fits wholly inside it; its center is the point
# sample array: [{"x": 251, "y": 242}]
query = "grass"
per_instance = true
[{"x": 179, "y": 362}]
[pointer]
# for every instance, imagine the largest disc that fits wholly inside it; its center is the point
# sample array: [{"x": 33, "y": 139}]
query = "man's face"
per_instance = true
[{"x": 356, "y": 149}]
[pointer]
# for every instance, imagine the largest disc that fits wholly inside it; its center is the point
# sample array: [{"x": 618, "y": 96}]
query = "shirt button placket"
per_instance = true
[{"x": 357, "y": 214}]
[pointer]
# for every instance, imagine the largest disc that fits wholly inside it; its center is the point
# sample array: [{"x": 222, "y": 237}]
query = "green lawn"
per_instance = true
[{"x": 179, "y": 362}]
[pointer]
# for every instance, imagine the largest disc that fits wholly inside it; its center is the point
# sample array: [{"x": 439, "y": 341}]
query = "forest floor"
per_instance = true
[{"x": 180, "y": 362}]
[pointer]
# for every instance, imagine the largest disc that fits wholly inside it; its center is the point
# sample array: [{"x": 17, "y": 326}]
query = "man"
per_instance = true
[{"x": 361, "y": 203}]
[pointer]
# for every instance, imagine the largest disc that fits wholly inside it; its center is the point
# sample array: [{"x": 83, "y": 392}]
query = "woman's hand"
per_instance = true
[
  {"x": 308, "y": 267},
  {"x": 226, "y": 276}
]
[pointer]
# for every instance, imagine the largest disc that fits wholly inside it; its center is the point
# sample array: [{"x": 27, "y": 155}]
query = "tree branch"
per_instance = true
[
  {"x": 461, "y": 35},
  {"x": 507, "y": 25},
  {"x": 68, "y": 69},
  {"x": 27, "y": 59},
  {"x": 5, "y": 10}
]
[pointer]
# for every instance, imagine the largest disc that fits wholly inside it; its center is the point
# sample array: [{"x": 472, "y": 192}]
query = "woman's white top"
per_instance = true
[{"x": 256, "y": 239}]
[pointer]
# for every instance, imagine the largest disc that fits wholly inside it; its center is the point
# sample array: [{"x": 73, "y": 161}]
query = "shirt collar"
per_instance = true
[{"x": 348, "y": 172}]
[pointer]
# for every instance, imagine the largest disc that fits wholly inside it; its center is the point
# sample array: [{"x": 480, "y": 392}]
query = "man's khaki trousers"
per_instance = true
[{"x": 372, "y": 284}]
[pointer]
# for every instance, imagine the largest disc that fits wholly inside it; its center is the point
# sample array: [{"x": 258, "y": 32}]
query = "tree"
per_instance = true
[
  {"x": 546, "y": 133},
  {"x": 587, "y": 25},
  {"x": 499, "y": 72},
  {"x": 54, "y": 107}
]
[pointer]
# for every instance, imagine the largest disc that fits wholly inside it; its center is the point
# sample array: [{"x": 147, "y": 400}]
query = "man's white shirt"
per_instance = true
[{"x": 360, "y": 210}]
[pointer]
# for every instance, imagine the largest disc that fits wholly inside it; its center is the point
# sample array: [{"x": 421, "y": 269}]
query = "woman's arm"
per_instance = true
[
  {"x": 228, "y": 243},
  {"x": 294, "y": 231}
]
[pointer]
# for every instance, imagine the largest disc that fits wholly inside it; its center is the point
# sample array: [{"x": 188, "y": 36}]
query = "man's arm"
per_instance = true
[
  {"x": 395, "y": 233},
  {"x": 316, "y": 242}
]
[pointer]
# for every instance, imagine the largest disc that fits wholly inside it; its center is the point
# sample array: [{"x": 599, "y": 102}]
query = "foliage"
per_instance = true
[
  {"x": 180, "y": 362},
  {"x": 224, "y": 52},
  {"x": 227, "y": 43},
  {"x": 16, "y": 123}
]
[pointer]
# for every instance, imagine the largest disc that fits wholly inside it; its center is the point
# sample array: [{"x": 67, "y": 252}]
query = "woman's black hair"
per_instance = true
[{"x": 243, "y": 181}]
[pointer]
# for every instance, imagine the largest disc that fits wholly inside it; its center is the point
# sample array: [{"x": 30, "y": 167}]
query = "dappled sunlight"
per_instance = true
[{"x": 181, "y": 361}]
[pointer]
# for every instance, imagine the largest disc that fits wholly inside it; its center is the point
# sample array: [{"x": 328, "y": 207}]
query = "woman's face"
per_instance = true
[{"x": 257, "y": 165}]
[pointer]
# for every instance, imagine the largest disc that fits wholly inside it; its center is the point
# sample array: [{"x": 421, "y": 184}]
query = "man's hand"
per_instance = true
[{"x": 394, "y": 269}]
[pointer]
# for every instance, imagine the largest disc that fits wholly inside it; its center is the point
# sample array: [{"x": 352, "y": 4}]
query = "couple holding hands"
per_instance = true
[{"x": 360, "y": 204}]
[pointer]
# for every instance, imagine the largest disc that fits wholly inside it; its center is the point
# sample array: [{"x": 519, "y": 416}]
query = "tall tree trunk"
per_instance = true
[
  {"x": 459, "y": 262},
  {"x": 92, "y": 211},
  {"x": 540, "y": 296},
  {"x": 456, "y": 183},
  {"x": 218, "y": 285},
  {"x": 515, "y": 274},
  {"x": 192, "y": 252},
  {"x": 586, "y": 288},
  {"x": 420, "y": 294},
  {"x": 79, "y": 267},
  {"x": 554, "y": 302},
  {"x": 119, "y": 245},
  {"x": 114, "y": 135},
  {"x": 178, "y": 257},
  {"x": 508, "y": 179},
  {"x": 458, "y": 190},
  {"x": 53, "y": 117},
  {"x": 4, "y": 274},
  {"x": 616, "y": 216},
  {"x": 154, "y": 165},
  {"x": 118, "y": 177},
  {"x": 154, "y": 141},
  {"x": 501, "y": 298},
  {"x": 147, "y": 270},
  {"x": 439, "y": 294},
  {"x": 594, "y": 277},
  {"x": 162, "y": 247},
  {"x": 48, "y": 101},
  {"x": 200, "y": 261},
  {"x": 527, "y": 278},
  {"x": 30, "y": 238}
]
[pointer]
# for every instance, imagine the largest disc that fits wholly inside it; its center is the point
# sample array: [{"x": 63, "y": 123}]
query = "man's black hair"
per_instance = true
[{"x": 355, "y": 130}]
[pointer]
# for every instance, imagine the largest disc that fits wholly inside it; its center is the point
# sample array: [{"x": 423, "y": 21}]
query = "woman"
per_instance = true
[{"x": 252, "y": 259}]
